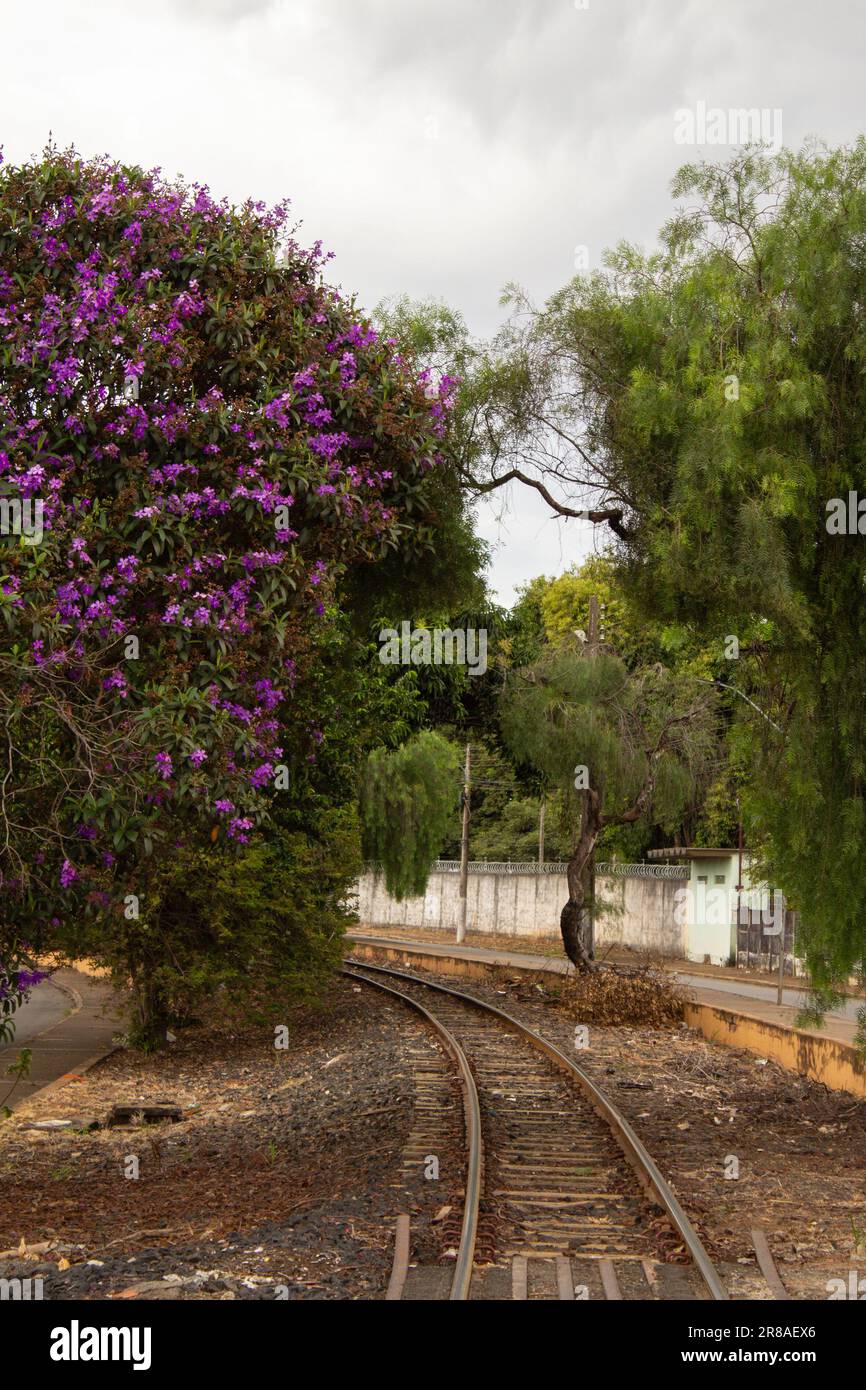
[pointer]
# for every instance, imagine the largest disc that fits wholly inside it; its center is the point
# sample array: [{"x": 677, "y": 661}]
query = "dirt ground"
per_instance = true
[
  {"x": 283, "y": 1179},
  {"x": 287, "y": 1171}
]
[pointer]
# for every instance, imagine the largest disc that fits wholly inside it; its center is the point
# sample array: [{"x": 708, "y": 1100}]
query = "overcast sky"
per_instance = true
[{"x": 438, "y": 147}]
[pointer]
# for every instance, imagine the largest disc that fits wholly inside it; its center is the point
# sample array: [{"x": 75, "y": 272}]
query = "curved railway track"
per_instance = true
[{"x": 560, "y": 1172}]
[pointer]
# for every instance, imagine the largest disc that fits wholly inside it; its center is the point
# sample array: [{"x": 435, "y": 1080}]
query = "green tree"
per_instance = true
[
  {"x": 408, "y": 796},
  {"x": 621, "y": 748},
  {"x": 238, "y": 934},
  {"x": 709, "y": 399},
  {"x": 222, "y": 452}
]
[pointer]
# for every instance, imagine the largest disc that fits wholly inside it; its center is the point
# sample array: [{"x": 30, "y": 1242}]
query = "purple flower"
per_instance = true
[
  {"x": 238, "y": 827},
  {"x": 26, "y": 979},
  {"x": 168, "y": 514},
  {"x": 163, "y": 765},
  {"x": 327, "y": 444},
  {"x": 117, "y": 681}
]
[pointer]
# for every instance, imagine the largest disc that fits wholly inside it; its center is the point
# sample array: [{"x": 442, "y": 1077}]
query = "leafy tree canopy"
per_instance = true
[
  {"x": 210, "y": 443},
  {"x": 707, "y": 399},
  {"x": 408, "y": 797}
]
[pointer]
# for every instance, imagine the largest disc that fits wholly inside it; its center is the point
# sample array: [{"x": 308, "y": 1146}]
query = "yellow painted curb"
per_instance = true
[{"x": 830, "y": 1060}]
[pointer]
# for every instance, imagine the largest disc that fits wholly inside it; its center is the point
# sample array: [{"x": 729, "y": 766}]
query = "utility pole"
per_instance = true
[
  {"x": 780, "y": 990},
  {"x": 739, "y": 893},
  {"x": 464, "y": 848},
  {"x": 541, "y": 830},
  {"x": 592, "y": 641},
  {"x": 592, "y": 634}
]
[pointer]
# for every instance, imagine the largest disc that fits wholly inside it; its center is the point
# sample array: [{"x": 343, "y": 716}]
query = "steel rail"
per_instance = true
[
  {"x": 643, "y": 1162},
  {"x": 466, "y": 1250}
]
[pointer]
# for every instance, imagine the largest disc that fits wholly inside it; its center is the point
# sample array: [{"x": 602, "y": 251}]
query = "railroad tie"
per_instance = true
[
  {"x": 564, "y": 1278},
  {"x": 519, "y": 1278},
  {"x": 612, "y": 1290}
]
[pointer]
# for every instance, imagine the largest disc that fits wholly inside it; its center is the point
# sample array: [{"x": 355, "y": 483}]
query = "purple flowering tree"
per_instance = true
[{"x": 199, "y": 442}]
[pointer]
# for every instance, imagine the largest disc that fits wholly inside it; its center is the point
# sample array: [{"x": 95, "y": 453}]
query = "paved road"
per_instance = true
[
  {"x": 61, "y": 1040},
  {"x": 46, "y": 1006}
]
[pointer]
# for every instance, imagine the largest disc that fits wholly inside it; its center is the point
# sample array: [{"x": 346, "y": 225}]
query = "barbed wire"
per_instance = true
[{"x": 532, "y": 867}]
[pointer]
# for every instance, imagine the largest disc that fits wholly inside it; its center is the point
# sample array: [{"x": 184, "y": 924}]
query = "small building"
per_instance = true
[{"x": 716, "y": 898}]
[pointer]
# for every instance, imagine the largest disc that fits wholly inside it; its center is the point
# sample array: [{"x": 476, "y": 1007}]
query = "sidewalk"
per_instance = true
[
  {"x": 717, "y": 1008},
  {"x": 65, "y": 1048}
]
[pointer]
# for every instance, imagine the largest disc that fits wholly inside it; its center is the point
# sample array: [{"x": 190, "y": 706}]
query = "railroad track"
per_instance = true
[{"x": 558, "y": 1186}]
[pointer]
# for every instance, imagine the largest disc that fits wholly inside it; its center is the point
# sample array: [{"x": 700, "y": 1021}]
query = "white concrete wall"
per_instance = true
[
  {"x": 634, "y": 911},
  {"x": 639, "y": 912}
]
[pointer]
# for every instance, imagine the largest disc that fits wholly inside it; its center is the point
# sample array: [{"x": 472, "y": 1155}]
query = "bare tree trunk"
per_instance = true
[
  {"x": 574, "y": 920},
  {"x": 151, "y": 1013}
]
